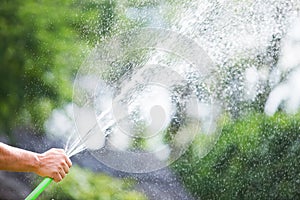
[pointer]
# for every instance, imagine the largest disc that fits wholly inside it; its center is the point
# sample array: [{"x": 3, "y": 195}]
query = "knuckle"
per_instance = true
[
  {"x": 61, "y": 169},
  {"x": 61, "y": 151},
  {"x": 56, "y": 177},
  {"x": 52, "y": 149},
  {"x": 69, "y": 163},
  {"x": 66, "y": 157}
]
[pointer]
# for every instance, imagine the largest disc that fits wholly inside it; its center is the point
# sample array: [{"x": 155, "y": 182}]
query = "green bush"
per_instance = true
[
  {"x": 256, "y": 157},
  {"x": 42, "y": 45},
  {"x": 84, "y": 184}
]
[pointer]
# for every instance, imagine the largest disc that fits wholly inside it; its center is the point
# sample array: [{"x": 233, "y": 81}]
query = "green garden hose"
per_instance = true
[{"x": 39, "y": 189}]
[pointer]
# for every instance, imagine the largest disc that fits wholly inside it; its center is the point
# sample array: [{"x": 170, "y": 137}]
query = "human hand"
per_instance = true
[{"x": 53, "y": 163}]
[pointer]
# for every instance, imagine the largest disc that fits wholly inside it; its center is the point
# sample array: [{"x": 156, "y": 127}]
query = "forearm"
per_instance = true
[
  {"x": 53, "y": 163},
  {"x": 15, "y": 159}
]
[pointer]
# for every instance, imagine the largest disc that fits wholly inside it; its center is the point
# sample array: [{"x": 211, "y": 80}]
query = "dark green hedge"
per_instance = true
[{"x": 256, "y": 157}]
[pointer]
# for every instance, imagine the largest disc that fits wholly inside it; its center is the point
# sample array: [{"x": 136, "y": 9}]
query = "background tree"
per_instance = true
[{"x": 42, "y": 45}]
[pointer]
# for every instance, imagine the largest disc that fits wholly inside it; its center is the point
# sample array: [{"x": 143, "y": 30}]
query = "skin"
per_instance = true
[{"x": 53, "y": 163}]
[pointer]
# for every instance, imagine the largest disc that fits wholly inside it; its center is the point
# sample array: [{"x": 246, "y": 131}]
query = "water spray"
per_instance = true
[{"x": 163, "y": 97}]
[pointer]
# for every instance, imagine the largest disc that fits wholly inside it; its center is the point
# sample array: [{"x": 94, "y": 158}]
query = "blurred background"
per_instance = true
[{"x": 255, "y": 46}]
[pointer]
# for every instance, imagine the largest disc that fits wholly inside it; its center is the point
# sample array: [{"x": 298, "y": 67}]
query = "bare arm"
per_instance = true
[{"x": 53, "y": 163}]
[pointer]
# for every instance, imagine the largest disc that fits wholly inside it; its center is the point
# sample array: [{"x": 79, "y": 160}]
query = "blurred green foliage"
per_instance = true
[
  {"x": 84, "y": 184},
  {"x": 256, "y": 157},
  {"x": 42, "y": 45}
]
